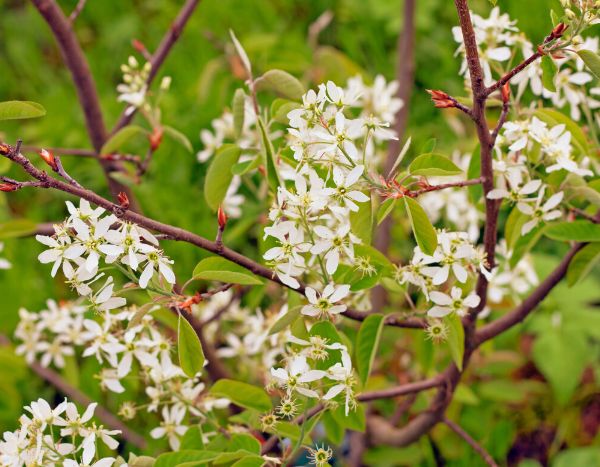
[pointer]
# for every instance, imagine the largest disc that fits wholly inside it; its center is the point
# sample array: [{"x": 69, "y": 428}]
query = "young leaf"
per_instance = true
[
  {"x": 121, "y": 137},
  {"x": 361, "y": 222},
  {"x": 241, "y": 53},
  {"x": 286, "y": 320},
  {"x": 367, "y": 343},
  {"x": 270, "y": 163},
  {"x": 280, "y": 108},
  {"x": 591, "y": 60},
  {"x": 219, "y": 269},
  {"x": 242, "y": 394},
  {"x": 400, "y": 158},
  {"x": 433, "y": 165},
  {"x": 474, "y": 171},
  {"x": 549, "y": 70},
  {"x": 423, "y": 231},
  {"x": 429, "y": 146},
  {"x": 188, "y": 456},
  {"x": 582, "y": 263},
  {"x": 282, "y": 83},
  {"x": 456, "y": 339},
  {"x": 577, "y": 231},
  {"x": 178, "y": 137},
  {"x": 191, "y": 356},
  {"x": 385, "y": 209},
  {"x": 239, "y": 111},
  {"x": 15, "y": 110},
  {"x": 219, "y": 175}
]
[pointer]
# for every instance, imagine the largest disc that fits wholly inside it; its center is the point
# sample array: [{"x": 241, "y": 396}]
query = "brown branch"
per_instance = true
[
  {"x": 63, "y": 151},
  {"x": 161, "y": 53},
  {"x": 501, "y": 121},
  {"x": 444, "y": 186},
  {"x": 83, "y": 80},
  {"x": 512, "y": 73},
  {"x": 487, "y": 458},
  {"x": 103, "y": 414}
]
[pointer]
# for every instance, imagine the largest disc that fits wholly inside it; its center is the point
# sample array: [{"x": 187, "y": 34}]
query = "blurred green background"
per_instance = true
[{"x": 274, "y": 33}]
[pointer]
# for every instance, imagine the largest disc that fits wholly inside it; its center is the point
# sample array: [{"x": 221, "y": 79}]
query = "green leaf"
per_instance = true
[
  {"x": 549, "y": 70},
  {"x": 514, "y": 223},
  {"x": 456, "y": 339},
  {"x": 285, "y": 321},
  {"x": 191, "y": 356},
  {"x": 16, "y": 110},
  {"x": 121, "y": 137},
  {"x": 192, "y": 439},
  {"x": 242, "y": 394},
  {"x": 591, "y": 60},
  {"x": 17, "y": 228},
  {"x": 178, "y": 137},
  {"x": 245, "y": 442},
  {"x": 422, "y": 229},
  {"x": 582, "y": 263},
  {"x": 244, "y": 167},
  {"x": 171, "y": 459},
  {"x": 561, "y": 356},
  {"x": 270, "y": 163},
  {"x": 400, "y": 158},
  {"x": 280, "y": 108},
  {"x": 239, "y": 111},
  {"x": 578, "y": 457},
  {"x": 429, "y": 146},
  {"x": 577, "y": 231},
  {"x": 433, "y": 165},
  {"x": 282, "y": 83},
  {"x": 361, "y": 221},
  {"x": 333, "y": 430},
  {"x": 385, "y": 209},
  {"x": 219, "y": 175},
  {"x": 220, "y": 269},
  {"x": 355, "y": 420},
  {"x": 140, "y": 461},
  {"x": 367, "y": 343},
  {"x": 249, "y": 461}
]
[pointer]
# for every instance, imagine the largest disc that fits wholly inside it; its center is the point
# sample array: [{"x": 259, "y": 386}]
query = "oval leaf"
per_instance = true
[
  {"x": 282, "y": 83},
  {"x": 121, "y": 137},
  {"x": 591, "y": 60},
  {"x": 239, "y": 111},
  {"x": 219, "y": 269},
  {"x": 178, "y": 137},
  {"x": 242, "y": 394},
  {"x": 184, "y": 456},
  {"x": 17, "y": 228},
  {"x": 15, "y": 110},
  {"x": 433, "y": 165},
  {"x": 367, "y": 343},
  {"x": 423, "y": 231},
  {"x": 577, "y": 231},
  {"x": 549, "y": 70},
  {"x": 191, "y": 356},
  {"x": 456, "y": 339},
  {"x": 219, "y": 175}
]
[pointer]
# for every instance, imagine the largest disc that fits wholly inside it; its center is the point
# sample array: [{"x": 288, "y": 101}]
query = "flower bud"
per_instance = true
[
  {"x": 560, "y": 29},
  {"x": 221, "y": 218},
  {"x": 6, "y": 187},
  {"x": 440, "y": 99},
  {"x": 155, "y": 138},
  {"x": 48, "y": 158},
  {"x": 4, "y": 149},
  {"x": 138, "y": 45},
  {"x": 123, "y": 200},
  {"x": 506, "y": 93}
]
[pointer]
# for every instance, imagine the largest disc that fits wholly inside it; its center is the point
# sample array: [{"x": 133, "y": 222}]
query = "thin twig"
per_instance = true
[
  {"x": 444, "y": 186},
  {"x": 78, "y": 9},
  {"x": 487, "y": 458},
  {"x": 161, "y": 53}
]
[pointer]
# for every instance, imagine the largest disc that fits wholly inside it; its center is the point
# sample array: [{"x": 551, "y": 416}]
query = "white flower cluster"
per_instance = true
[
  {"x": 455, "y": 258},
  {"x": 311, "y": 221},
  {"x": 65, "y": 330},
  {"x": 300, "y": 377},
  {"x": 4, "y": 263},
  {"x": 134, "y": 87},
  {"x": 90, "y": 234},
  {"x": 59, "y": 436}
]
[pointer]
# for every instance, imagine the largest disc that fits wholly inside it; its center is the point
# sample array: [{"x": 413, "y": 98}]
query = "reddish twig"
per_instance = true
[
  {"x": 444, "y": 186},
  {"x": 77, "y": 10}
]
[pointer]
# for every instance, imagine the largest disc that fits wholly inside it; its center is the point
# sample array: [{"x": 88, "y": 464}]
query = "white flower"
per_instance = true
[
  {"x": 514, "y": 192},
  {"x": 446, "y": 304},
  {"x": 296, "y": 375},
  {"x": 334, "y": 244},
  {"x": 325, "y": 305},
  {"x": 157, "y": 261},
  {"x": 540, "y": 213},
  {"x": 341, "y": 372},
  {"x": 103, "y": 300},
  {"x": 344, "y": 182},
  {"x": 171, "y": 426}
]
